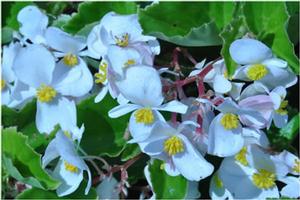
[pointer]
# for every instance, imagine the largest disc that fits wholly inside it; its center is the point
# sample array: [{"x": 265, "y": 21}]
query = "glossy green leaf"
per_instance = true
[
  {"x": 36, "y": 193},
  {"x": 166, "y": 21},
  {"x": 103, "y": 135},
  {"x": 165, "y": 186},
  {"x": 236, "y": 29},
  {"x": 25, "y": 159},
  {"x": 290, "y": 130},
  {"x": 271, "y": 29},
  {"x": 130, "y": 151},
  {"x": 12, "y": 21},
  {"x": 7, "y": 35},
  {"x": 89, "y": 12}
]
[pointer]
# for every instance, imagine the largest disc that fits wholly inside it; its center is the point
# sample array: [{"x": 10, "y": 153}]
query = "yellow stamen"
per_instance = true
[
  {"x": 3, "y": 84},
  {"x": 282, "y": 108},
  {"x": 70, "y": 60},
  {"x": 162, "y": 166},
  {"x": 102, "y": 75},
  {"x": 257, "y": 72},
  {"x": 129, "y": 62},
  {"x": 264, "y": 179},
  {"x": 45, "y": 93},
  {"x": 296, "y": 167},
  {"x": 241, "y": 156},
  {"x": 173, "y": 145},
  {"x": 229, "y": 121},
  {"x": 70, "y": 167},
  {"x": 144, "y": 115},
  {"x": 218, "y": 182},
  {"x": 123, "y": 41},
  {"x": 68, "y": 134}
]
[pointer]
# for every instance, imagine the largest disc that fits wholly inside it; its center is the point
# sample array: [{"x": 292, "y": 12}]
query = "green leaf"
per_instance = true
[
  {"x": 61, "y": 20},
  {"x": 271, "y": 29},
  {"x": 24, "y": 120},
  {"x": 290, "y": 130},
  {"x": 86, "y": 29},
  {"x": 236, "y": 29},
  {"x": 165, "y": 21},
  {"x": 165, "y": 186},
  {"x": 12, "y": 21},
  {"x": 26, "y": 160},
  {"x": 36, "y": 193},
  {"x": 103, "y": 135},
  {"x": 89, "y": 12},
  {"x": 7, "y": 35},
  {"x": 130, "y": 151},
  {"x": 221, "y": 13}
]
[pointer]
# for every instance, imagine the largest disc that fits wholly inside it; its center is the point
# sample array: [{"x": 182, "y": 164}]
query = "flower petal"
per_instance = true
[
  {"x": 96, "y": 49},
  {"x": 249, "y": 51},
  {"x": 291, "y": 189},
  {"x": 122, "y": 110},
  {"x": 142, "y": 86},
  {"x": 221, "y": 84},
  {"x": 34, "y": 65},
  {"x": 280, "y": 120},
  {"x": 195, "y": 171},
  {"x": 173, "y": 106},
  {"x": 64, "y": 42},
  {"x": 100, "y": 96},
  {"x": 222, "y": 142},
  {"x": 33, "y": 23},
  {"x": 9, "y": 54}
]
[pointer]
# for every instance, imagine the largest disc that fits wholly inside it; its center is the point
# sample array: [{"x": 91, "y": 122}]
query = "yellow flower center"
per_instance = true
[
  {"x": 257, "y": 72},
  {"x": 296, "y": 167},
  {"x": 71, "y": 168},
  {"x": 70, "y": 60},
  {"x": 218, "y": 182},
  {"x": 102, "y": 75},
  {"x": 144, "y": 115},
  {"x": 122, "y": 41},
  {"x": 241, "y": 156},
  {"x": 264, "y": 179},
  {"x": 68, "y": 134},
  {"x": 282, "y": 108},
  {"x": 3, "y": 83},
  {"x": 129, "y": 62},
  {"x": 173, "y": 145},
  {"x": 46, "y": 93},
  {"x": 229, "y": 121}
]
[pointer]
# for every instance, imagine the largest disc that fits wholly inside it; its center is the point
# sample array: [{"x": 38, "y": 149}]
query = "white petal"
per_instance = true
[
  {"x": 276, "y": 100},
  {"x": 281, "y": 91},
  {"x": 173, "y": 106},
  {"x": 34, "y": 65},
  {"x": 101, "y": 94},
  {"x": 69, "y": 181},
  {"x": 221, "y": 84},
  {"x": 119, "y": 57},
  {"x": 283, "y": 77},
  {"x": 280, "y": 120},
  {"x": 122, "y": 110},
  {"x": 108, "y": 188},
  {"x": 5, "y": 96},
  {"x": 198, "y": 169},
  {"x": 9, "y": 54},
  {"x": 141, "y": 131},
  {"x": 33, "y": 23},
  {"x": 291, "y": 189},
  {"x": 194, "y": 72},
  {"x": 122, "y": 100},
  {"x": 216, "y": 192},
  {"x": 275, "y": 62},
  {"x": 237, "y": 179},
  {"x": 236, "y": 89},
  {"x": 254, "y": 136},
  {"x": 228, "y": 106},
  {"x": 59, "y": 111},
  {"x": 70, "y": 85},
  {"x": 142, "y": 86},
  {"x": 64, "y": 42},
  {"x": 192, "y": 191},
  {"x": 96, "y": 49},
  {"x": 249, "y": 51},
  {"x": 253, "y": 89},
  {"x": 170, "y": 169},
  {"x": 224, "y": 142},
  {"x": 200, "y": 64}
]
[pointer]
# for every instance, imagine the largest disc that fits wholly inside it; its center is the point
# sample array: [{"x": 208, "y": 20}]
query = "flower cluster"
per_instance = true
[{"x": 228, "y": 120}]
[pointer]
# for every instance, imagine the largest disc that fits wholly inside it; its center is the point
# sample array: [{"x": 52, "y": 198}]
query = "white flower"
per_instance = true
[
  {"x": 35, "y": 66},
  {"x": 225, "y": 132},
  {"x": 142, "y": 86},
  {"x": 123, "y": 31},
  {"x": 251, "y": 174},
  {"x": 70, "y": 167},
  {"x": 258, "y": 64},
  {"x": 170, "y": 145},
  {"x": 70, "y": 48},
  {"x": 108, "y": 188},
  {"x": 33, "y": 24}
]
